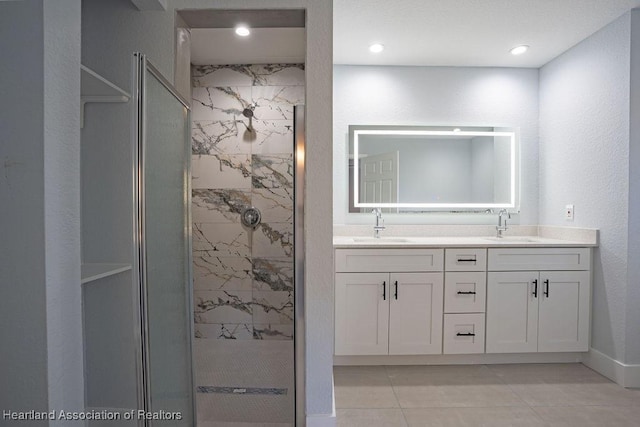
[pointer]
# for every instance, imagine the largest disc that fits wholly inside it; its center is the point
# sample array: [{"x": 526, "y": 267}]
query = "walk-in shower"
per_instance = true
[
  {"x": 219, "y": 241},
  {"x": 246, "y": 205}
]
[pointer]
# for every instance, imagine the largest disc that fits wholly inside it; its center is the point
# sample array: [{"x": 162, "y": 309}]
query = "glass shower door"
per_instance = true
[{"x": 164, "y": 250}]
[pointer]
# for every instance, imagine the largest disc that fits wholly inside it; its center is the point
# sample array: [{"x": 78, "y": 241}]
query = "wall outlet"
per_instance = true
[{"x": 568, "y": 212}]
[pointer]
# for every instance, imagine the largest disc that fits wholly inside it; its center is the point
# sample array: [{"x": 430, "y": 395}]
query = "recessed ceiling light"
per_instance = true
[
  {"x": 242, "y": 31},
  {"x": 456, "y": 130},
  {"x": 376, "y": 48},
  {"x": 519, "y": 50}
]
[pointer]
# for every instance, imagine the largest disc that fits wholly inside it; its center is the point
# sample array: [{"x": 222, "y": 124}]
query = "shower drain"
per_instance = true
[{"x": 242, "y": 390}]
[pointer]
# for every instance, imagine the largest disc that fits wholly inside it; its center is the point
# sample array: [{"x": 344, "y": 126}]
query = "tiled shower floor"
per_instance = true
[{"x": 264, "y": 368}]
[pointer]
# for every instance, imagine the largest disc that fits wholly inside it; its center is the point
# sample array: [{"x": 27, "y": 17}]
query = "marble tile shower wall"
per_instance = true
[{"x": 243, "y": 278}]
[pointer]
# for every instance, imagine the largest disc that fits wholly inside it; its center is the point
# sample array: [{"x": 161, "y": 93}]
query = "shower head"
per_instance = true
[{"x": 248, "y": 112}]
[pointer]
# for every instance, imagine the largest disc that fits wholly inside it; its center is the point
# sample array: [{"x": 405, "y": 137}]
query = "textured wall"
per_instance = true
[
  {"x": 436, "y": 96},
  {"x": 62, "y": 205},
  {"x": 39, "y": 187},
  {"x": 633, "y": 273},
  {"x": 584, "y": 160},
  {"x": 22, "y": 262}
]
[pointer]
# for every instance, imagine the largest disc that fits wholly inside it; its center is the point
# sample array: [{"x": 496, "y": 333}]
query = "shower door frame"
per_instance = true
[
  {"x": 141, "y": 322},
  {"x": 299, "y": 337}
]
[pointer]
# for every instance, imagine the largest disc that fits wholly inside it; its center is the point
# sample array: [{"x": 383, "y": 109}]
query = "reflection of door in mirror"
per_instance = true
[{"x": 379, "y": 178}]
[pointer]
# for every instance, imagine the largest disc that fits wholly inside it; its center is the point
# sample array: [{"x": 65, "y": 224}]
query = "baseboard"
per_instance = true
[
  {"x": 623, "y": 374},
  {"x": 460, "y": 359},
  {"x": 325, "y": 420}
]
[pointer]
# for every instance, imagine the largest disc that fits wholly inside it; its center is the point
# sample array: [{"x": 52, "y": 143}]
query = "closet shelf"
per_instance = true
[
  {"x": 91, "y": 272},
  {"x": 95, "y": 88}
]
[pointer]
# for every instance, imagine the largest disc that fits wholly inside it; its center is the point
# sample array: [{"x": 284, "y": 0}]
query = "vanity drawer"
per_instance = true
[
  {"x": 465, "y": 292},
  {"x": 465, "y": 259},
  {"x": 514, "y": 259},
  {"x": 389, "y": 260},
  {"x": 463, "y": 333}
]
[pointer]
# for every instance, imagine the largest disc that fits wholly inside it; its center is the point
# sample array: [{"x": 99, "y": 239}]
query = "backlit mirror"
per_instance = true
[{"x": 420, "y": 168}]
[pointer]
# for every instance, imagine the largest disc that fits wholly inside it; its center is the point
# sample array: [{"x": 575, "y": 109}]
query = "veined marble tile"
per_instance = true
[
  {"x": 275, "y": 204},
  {"x": 273, "y": 136},
  {"x": 272, "y": 307},
  {"x": 222, "y": 273},
  {"x": 222, "y": 240},
  {"x": 221, "y": 136},
  {"x": 221, "y": 171},
  {"x": 219, "y": 205},
  {"x": 273, "y": 332},
  {"x": 276, "y": 102},
  {"x": 219, "y": 75},
  {"x": 275, "y": 274},
  {"x": 272, "y": 170},
  {"x": 219, "y": 103},
  {"x": 223, "y": 306},
  {"x": 226, "y": 331},
  {"x": 247, "y": 75},
  {"x": 273, "y": 240}
]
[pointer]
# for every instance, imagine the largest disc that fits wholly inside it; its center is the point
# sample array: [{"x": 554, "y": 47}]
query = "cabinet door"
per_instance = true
[
  {"x": 564, "y": 311},
  {"x": 415, "y": 324},
  {"x": 512, "y": 312},
  {"x": 362, "y": 313}
]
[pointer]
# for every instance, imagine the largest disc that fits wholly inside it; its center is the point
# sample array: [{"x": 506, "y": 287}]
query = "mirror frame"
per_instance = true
[{"x": 355, "y": 131}]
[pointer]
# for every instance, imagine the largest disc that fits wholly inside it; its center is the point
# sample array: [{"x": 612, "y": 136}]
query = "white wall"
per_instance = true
[
  {"x": 22, "y": 263},
  {"x": 113, "y": 30},
  {"x": 383, "y": 95},
  {"x": 40, "y": 300},
  {"x": 633, "y": 266},
  {"x": 584, "y": 160}
]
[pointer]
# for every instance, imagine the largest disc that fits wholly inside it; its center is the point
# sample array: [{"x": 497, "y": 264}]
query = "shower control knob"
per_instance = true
[{"x": 251, "y": 217}]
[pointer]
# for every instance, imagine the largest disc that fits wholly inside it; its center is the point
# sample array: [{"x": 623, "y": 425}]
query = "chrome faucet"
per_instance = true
[
  {"x": 377, "y": 228},
  {"x": 500, "y": 227}
]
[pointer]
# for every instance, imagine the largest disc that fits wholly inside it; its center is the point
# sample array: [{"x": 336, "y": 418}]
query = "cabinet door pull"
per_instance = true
[
  {"x": 465, "y": 334},
  {"x": 396, "y": 294},
  {"x": 535, "y": 288},
  {"x": 546, "y": 292},
  {"x": 466, "y": 292},
  {"x": 384, "y": 290}
]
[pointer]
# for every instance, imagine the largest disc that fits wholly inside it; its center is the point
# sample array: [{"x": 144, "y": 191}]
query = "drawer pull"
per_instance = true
[
  {"x": 466, "y": 334},
  {"x": 466, "y": 292},
  {"x": 466, "y": 260},
  {"x": 384, "y": 290}
]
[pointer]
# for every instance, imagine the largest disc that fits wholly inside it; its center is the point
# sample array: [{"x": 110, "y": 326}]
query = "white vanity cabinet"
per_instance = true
[
  {"x": 538, "y": 300},
  {"x": 465, "y": 280},
  {"x": 388, "y": 301}
]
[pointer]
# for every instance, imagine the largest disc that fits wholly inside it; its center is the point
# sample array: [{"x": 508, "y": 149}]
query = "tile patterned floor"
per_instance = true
[{"x": 554, "y": 395}]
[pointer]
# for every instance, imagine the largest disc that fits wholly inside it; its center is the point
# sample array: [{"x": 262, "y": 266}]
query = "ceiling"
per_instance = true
[
  {"x": 466, "y": 32},
  {"x": 414, "y": 32},
  {"x": 211, "y": 46}
]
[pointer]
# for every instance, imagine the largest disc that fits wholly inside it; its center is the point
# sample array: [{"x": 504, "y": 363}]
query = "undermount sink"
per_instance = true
[
  {"x": 379, "y": 240},
  {"x": 523, "y": 239}
]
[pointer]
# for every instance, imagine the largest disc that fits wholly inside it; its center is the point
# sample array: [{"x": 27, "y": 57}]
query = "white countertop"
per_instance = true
[{"x": 457, "y": 241}]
